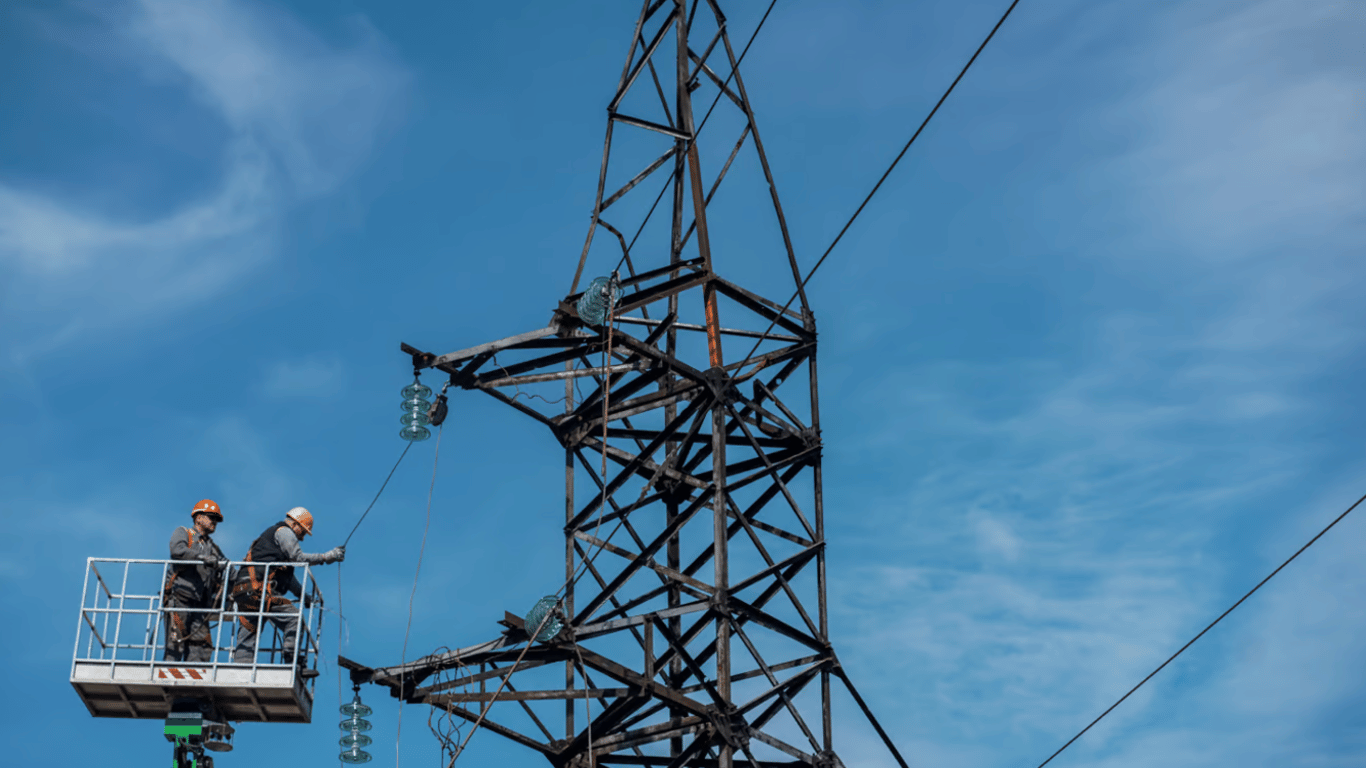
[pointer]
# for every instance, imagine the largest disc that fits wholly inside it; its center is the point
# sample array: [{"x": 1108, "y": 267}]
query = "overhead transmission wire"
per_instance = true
[
  {"x": 382, "y": 486},
  {"x": 1169, "y": 660},
  {"x": 341, "y": 614},
  {"x": 852, "y": 218},
  {"x": 607, "y": 374},
  {"x": 878, "y": 185},
  {"x": 436, "y": 455},
  {"x": 763, "y": 336}
]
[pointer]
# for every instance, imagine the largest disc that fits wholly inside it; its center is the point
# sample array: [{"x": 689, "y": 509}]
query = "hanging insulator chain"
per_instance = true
[
  {"x": 415, "y": 408},
  {"x": 353, "y": 728}
]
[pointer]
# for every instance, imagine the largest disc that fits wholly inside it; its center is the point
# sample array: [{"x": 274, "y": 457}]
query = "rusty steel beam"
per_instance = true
[{"x": 670, "y": 470}]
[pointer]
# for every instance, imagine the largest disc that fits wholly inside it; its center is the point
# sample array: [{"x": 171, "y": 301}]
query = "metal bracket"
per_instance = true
[{"x": 719, "y": 382}]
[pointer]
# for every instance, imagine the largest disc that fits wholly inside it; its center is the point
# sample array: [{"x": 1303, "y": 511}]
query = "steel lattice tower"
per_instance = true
[{"x": 700, "y": 631}]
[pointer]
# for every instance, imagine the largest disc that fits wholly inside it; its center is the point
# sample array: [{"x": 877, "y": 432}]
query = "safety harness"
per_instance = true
[
  {"x": 250, "y": 593},
  {"x": 175, "y": 572}
]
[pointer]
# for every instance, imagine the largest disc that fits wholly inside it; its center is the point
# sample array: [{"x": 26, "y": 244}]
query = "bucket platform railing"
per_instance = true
[{"x": 119, "y": 669}]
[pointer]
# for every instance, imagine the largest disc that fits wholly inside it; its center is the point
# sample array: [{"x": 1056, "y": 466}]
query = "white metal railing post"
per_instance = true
[
  {"x": 148, "y": 649},
  {"x": 260, "y": 621},
  {"x": 229, "y": 612},
  {"x": 302, "y": 639},
  {"x": 118, "y": 617},
  {"x": 315, "y": 621},
  {"x": 85, "y": 588},
  {"x": 104, "y": 615},
  {"x": 162, "y": 615},
  {"x": 218, "y": 630}
]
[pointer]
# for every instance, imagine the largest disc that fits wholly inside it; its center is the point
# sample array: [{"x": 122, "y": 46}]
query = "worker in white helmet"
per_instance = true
[{"x": 252, "y": 588}]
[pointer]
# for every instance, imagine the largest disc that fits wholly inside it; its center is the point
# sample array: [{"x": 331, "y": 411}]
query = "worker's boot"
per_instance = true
[{"x": 304, "y": 671}]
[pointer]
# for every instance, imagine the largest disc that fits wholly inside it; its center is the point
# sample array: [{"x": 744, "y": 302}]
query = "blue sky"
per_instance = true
[{"x": 1091, "y": 359}]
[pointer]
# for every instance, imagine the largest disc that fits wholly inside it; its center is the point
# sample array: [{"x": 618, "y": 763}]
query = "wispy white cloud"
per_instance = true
[
  {"x": 1067, "y": 540},
  {"x": 316, "y": 108},
  {"x": 303, "y": 114},
  {"x": 311, "y": 376},
  {"x": 51, "y": 238},
  {"x": 1254, "y": 129}
]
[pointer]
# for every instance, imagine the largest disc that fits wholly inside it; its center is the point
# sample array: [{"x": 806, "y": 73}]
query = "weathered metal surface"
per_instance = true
[{"x": 695, "y": 490}]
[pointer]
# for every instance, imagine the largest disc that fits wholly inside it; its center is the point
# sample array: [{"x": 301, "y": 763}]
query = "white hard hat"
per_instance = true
[{"x": 302, "y": 517}]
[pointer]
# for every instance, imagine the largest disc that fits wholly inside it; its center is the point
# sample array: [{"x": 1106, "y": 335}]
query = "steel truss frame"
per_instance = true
[{"x": 719, "y": 443}]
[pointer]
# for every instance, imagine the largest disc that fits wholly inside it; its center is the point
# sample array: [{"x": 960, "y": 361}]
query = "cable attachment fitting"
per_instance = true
[
  {"x": 828, "y": 760},
  {"x": 437, "y": 412}
]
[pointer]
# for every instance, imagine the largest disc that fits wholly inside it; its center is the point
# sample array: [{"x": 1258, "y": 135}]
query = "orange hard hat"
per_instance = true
[
  {"x": 302, "y": 517},
  {"x": 208, "y": 507}
]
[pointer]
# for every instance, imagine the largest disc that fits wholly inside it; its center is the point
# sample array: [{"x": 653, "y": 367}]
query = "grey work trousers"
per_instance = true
[
  {"x": 188, "y": 634},
  {"x": 249, "y": 631}
]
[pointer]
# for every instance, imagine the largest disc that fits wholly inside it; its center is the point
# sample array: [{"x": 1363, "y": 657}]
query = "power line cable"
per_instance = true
[
  {"x": 436, "y": 456},
  {"x": 341, "y": 615},
  {"x": 862, "y": 205},
  {"x": 888, "y": 172},
  {"x": 1202, "y": 632},
  {"x": 885, "y": 174},
  {"x": 372, "y": 501}
]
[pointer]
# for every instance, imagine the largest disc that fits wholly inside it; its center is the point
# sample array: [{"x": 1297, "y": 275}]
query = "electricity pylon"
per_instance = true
[{"x": 694, "y": 622}]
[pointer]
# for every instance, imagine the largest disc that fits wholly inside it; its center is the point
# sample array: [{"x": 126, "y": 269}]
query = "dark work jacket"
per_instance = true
[
  {"x": 266, "y": 550},
  {"x": 194, "y": 577}
]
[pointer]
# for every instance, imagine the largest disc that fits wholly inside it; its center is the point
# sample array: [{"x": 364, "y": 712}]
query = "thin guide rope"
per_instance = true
[
  {"x": 341, "y": 613},
  {"x": 436, "y": 455},
  {"x": 384, "y": 485}
]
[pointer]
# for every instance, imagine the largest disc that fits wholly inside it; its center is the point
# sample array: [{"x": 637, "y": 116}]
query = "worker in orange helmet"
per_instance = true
[
  {"x": 255, "y": 586},
  {"x": 196, "y": 586}
]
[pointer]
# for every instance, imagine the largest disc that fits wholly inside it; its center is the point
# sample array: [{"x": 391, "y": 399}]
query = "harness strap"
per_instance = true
[
  {"x": 255, "y": 582},
  {"x": 176, "y": 571},
  {"x": 250, "y": 599}
]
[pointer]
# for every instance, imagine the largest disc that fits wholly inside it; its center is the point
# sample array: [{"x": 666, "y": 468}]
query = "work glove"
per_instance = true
[
  {"x": 214, "y": 560},
  {"x": 337, "y": 554},
  {"x": 308, "y": 602}
]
